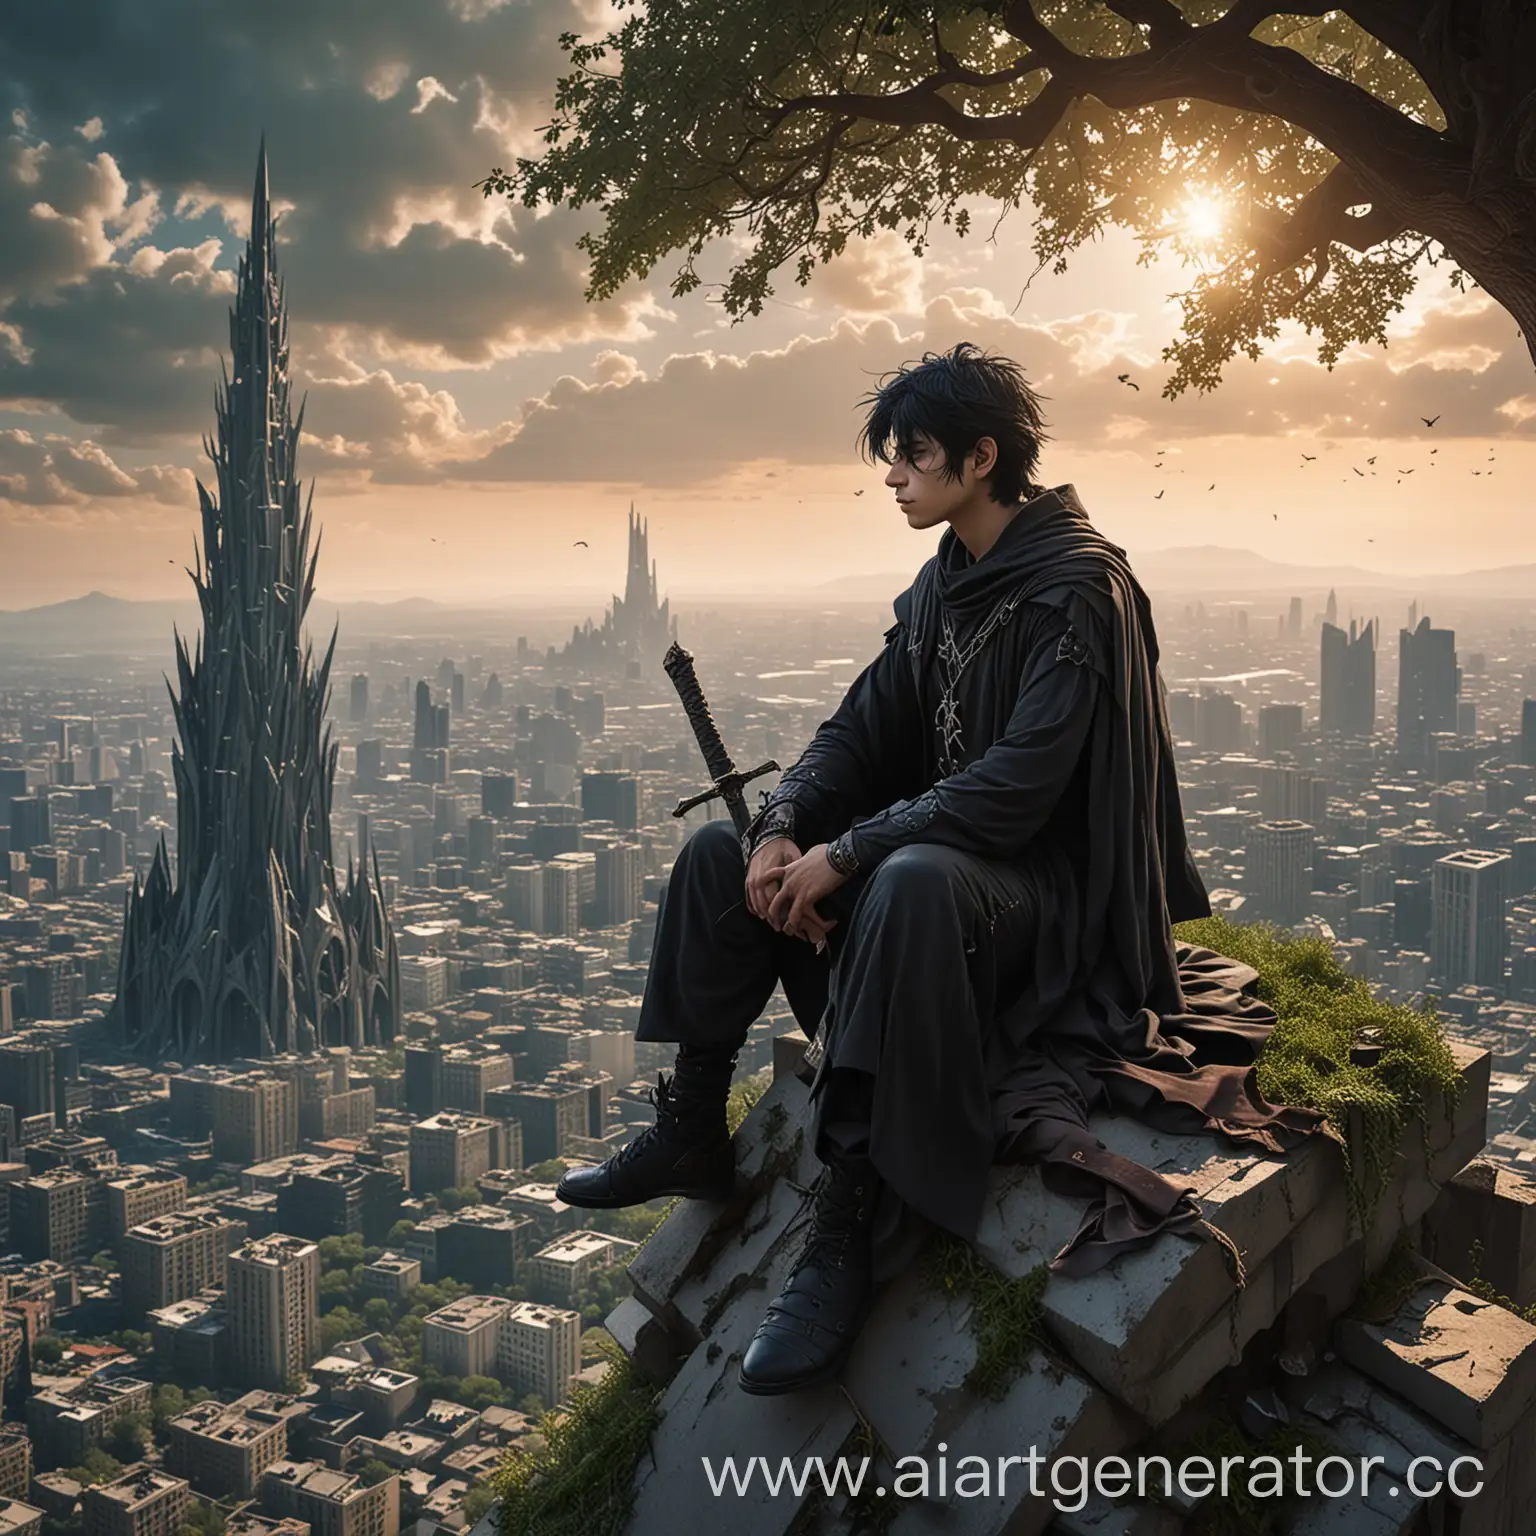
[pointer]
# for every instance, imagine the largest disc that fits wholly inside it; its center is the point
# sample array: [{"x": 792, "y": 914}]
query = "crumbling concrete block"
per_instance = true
[
  {"x": 679, "y": 1257},
  {"x": 1154, "y": 1326},
  {"x": 1468, "y": 1363},
  {"x": 1101, "y": 1518},
  {"x": 788, "y": 1052},
  {"x": 1494, "y": 1209}
]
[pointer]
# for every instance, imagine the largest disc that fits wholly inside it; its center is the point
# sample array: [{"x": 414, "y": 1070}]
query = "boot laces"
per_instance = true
[
  {"x": 840, "y": 1217},
  {"x": 669, "y": 1105}
]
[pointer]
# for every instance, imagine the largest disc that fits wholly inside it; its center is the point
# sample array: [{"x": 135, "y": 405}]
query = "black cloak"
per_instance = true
[{"x": 1114, "y": 1014}]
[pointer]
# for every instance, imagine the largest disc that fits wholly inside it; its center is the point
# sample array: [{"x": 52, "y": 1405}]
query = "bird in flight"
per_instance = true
[
  {"x": 1125, "y": 378},
  {"x": 1275, "y": 515},
  {"x": 1158, "y": 497},
  {"x": 1429, "y": 421},
  {"x": 858, "y": 493},
  {"x": 1405, "y": 471},
  {"x": 1359, "y": 472},
  {"x": 1211, "y": 486},
  {"x": 1433, "y": 452},
  {"x": 583, "y": 544},
  {"x": 1309, "y": 457}
]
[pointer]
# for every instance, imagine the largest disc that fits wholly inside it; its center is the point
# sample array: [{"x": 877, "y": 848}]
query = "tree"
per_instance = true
[
  {"x": 399, "y": 1232},
  {"x": 96, "y": 1466},
  {"x": 476, "y": 1502},
  {"x": 373, "y": 1471},
  {"x": 378, "y": 1314},
  {"x": 456, "y": 1199},
  {"x": 339, "y": 1325},
  {"x": 129, "y": 1436},
  {"x": 481, "y": 1392},
  {"x": 341, "y": 1252},
  {"x": 48, "y": 1349},
  {"x": 1340, "y": 144},
  {"x": 166, "y": 1402}
]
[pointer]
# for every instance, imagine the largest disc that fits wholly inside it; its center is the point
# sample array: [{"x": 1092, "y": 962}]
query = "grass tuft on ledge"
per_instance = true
[
  {"x": 1005, "y": 1314},
  {"x": 581, "y": 1483}
]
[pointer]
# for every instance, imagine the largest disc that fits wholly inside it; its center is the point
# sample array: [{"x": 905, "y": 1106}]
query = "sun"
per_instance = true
[{"x": 1204, "y": 217}]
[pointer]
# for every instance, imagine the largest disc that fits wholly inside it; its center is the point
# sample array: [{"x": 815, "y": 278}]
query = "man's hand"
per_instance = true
[
  {"x": 802, "y": 884},
  {"x": 764, "y": 876}
]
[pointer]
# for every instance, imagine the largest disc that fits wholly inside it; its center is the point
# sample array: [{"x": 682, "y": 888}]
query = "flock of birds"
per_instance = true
[{"x": 1311, "y": 458}]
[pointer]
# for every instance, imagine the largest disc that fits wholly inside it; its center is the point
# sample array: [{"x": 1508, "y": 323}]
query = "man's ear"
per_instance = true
[{"x": 985, "y": 456}]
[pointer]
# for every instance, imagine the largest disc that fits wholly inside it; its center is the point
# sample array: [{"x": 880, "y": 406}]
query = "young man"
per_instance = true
[{"x": 966, "y": 885}]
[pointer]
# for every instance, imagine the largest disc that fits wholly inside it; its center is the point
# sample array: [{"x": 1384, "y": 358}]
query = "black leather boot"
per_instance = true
[
  {"x": 811, "y": 1325},
  {"x": 687, "y": 1152}
]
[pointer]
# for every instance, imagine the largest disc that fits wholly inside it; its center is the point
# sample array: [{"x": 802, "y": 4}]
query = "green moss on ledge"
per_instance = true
[
  {"x": 1005, "y": 1314},
  {"x": 1325, "y": 1014}
]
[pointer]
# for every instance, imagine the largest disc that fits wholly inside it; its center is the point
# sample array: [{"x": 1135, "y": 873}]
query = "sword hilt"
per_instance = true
[
  {"x": 728, "y": 789},
  {"x": 678, "y": 665}
]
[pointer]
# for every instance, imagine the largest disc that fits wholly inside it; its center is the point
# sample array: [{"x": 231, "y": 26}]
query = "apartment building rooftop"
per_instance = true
[
  {"x": 275, "y": 1250},
  {"x": 174, "y": 1224},
  {"x": 137, "y": 1485},
  {"x": 470, "y": 1312}
]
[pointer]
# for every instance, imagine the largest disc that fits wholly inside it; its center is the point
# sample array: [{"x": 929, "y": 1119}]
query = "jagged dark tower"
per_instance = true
[{"x": 254, "y": 948}]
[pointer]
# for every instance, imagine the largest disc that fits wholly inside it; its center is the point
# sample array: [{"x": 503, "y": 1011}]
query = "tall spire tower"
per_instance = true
[{"x": 254, "y": 948}]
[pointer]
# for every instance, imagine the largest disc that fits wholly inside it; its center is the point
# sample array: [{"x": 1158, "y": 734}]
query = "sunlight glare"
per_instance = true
[{"x": 1204, "y": 217}]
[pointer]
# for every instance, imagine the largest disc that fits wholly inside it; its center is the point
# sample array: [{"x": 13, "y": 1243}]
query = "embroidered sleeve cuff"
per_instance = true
[
  {"x": 842, "y": 855},
  {"x": 777, "y": 819}
]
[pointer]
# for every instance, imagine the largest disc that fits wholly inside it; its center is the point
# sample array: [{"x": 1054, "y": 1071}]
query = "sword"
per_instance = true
[{"x": 728, "y": 779}]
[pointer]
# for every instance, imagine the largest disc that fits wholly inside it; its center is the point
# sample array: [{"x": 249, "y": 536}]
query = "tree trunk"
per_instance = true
[{"x": 1494, "y": 242}]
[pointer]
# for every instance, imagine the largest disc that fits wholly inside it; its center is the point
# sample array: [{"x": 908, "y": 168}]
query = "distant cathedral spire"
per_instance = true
[
  {"x": 638, "y": 628},
  {"x": 253, "y": 947}
]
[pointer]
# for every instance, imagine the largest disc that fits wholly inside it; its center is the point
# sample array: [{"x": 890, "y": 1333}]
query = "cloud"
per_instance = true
[
  {"x": 129, "y": 347},
  {"x": 64, "y": 213},
  {"x": 58, "y": 471},
  {"x": 380, "y": 115},
  {"x": 703, "y": 413}
]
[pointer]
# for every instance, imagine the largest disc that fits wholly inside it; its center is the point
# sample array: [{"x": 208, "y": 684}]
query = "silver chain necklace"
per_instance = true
[{"x": 953, "y": 661}]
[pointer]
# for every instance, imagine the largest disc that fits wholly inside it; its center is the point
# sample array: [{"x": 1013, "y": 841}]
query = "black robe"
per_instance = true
[{"x": 1053, "y": 746}]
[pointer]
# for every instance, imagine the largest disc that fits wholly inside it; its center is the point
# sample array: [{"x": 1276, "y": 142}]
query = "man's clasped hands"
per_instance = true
[{"x": 784, "y": 885}]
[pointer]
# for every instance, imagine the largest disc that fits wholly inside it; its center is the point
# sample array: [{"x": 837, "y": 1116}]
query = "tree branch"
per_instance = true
[
  {"x": 1164, "y": 20},
  {"x": 921, "y": 104},
  {"x": 1322, "y": 218}
]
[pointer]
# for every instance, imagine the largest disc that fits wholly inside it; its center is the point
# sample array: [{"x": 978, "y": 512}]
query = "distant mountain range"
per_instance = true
[
  {"x": 101, "y": 622},
  {"x": 1209, "y": 569}
]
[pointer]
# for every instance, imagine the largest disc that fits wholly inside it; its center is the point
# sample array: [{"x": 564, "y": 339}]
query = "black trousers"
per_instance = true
[{"x": 928, "y": 947}]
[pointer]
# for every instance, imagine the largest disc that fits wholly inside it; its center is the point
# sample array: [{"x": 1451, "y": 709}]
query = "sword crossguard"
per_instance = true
[{"x": 727, "y": 785}]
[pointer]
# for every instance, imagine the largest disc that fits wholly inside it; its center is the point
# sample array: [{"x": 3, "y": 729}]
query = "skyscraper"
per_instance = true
[
  {"x": 254, "y": 947},
  {"x": 1469, "y": 936},
  {"x": 272, "y": 1300},
  {"x": 1279, "y": 872},
  {"x": 1348, "y": 681},
  {"x": 1428, "y": 682}
]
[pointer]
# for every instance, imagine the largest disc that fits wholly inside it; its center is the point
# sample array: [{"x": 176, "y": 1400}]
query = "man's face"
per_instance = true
[{"x": 923, "y": 491}]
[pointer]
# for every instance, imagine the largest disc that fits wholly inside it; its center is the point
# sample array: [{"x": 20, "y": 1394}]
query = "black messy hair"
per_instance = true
[{"x": 957, "y": 398}]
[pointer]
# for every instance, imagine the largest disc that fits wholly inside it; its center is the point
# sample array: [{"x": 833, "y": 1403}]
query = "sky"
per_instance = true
[{"x": 469, "y": 415}]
